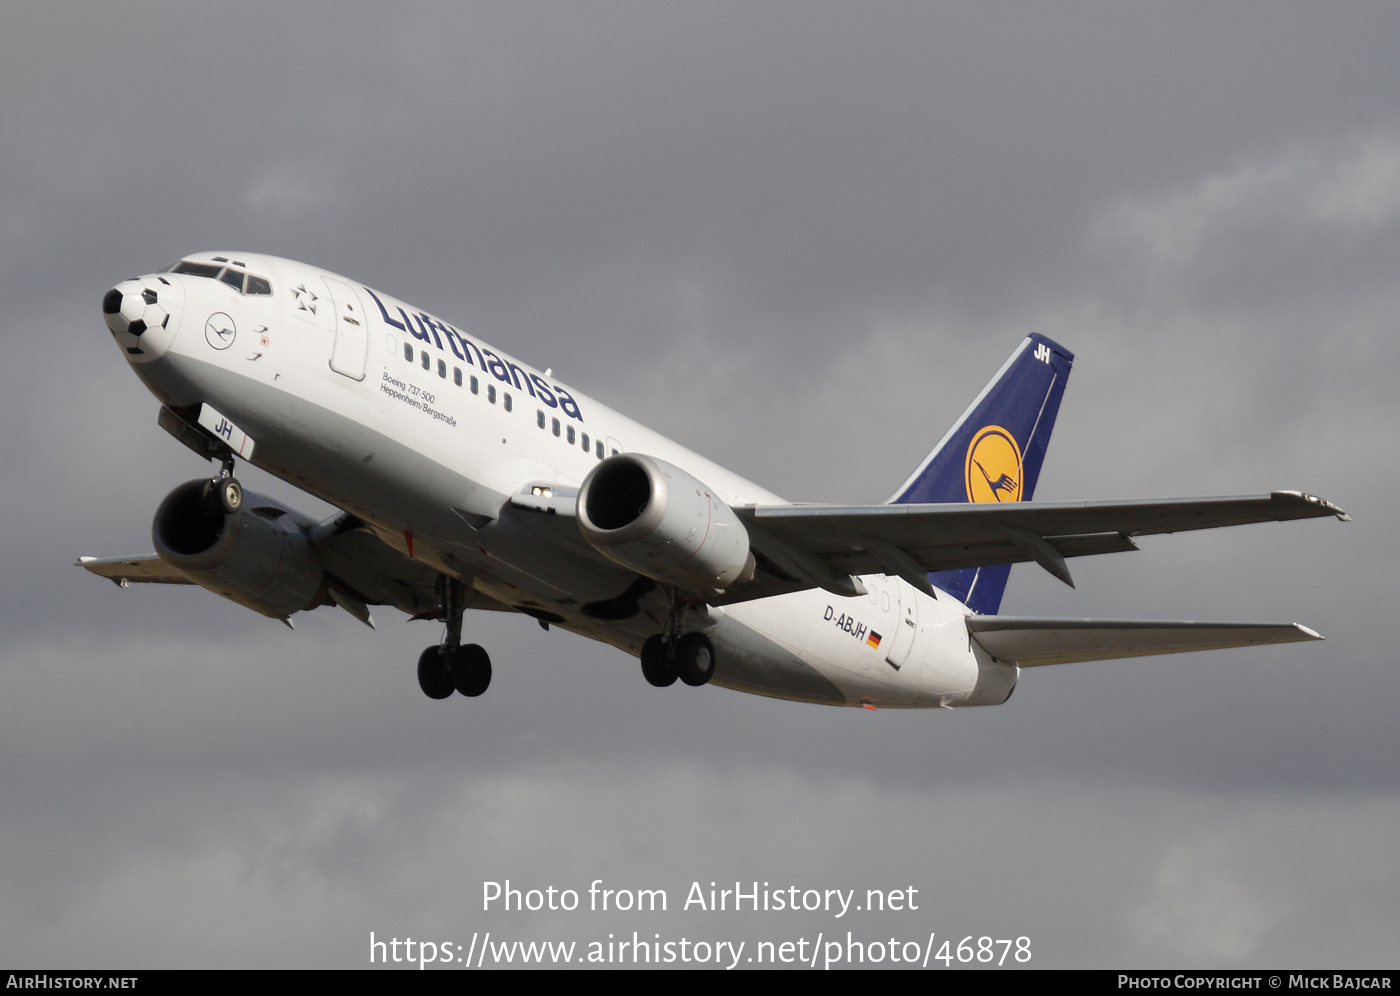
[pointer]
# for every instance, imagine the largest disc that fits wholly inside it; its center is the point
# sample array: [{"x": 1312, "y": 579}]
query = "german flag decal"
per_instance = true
[{"x": 873, "y": 640}]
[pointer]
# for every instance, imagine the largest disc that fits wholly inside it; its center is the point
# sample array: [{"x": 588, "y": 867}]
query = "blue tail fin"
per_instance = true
[{"x": 993, "y": 453}]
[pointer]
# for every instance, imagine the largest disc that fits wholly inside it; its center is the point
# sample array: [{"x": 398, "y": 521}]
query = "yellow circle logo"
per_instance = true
[{"x": 993, "y": 471}]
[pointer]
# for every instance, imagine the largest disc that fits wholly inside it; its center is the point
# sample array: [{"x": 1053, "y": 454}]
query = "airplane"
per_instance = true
[{"x": 466, "y": 479}]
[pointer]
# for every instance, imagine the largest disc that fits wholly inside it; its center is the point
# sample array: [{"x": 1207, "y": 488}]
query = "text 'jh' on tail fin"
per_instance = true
[{"x": 993, "y": 453}]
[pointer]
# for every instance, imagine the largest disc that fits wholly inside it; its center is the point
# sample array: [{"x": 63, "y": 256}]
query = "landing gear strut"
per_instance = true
[{"x": 449, "y": 666}]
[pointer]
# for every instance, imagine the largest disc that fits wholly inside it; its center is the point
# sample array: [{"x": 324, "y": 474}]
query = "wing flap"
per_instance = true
[
  {"x": 1032, "y": 642},
  {"x": 1002, "y": 551}
]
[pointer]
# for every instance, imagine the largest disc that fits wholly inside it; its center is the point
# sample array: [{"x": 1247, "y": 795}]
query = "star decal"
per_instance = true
[{"x": 306, "y": 301}]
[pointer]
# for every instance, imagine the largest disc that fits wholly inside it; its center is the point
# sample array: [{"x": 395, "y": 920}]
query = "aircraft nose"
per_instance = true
[
  {"x": 142, "y": 315},
  {"x": 131, "y": 308}
]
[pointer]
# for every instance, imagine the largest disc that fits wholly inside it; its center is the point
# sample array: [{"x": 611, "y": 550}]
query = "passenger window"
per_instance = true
[
  {"x": 584, "y": 439},
  {"x": 423, "y": 355},
  {"x": 491, "y": 393},
  {"x": 539, "y": 418},
  {"x": 884, "y": 601},
  {"x": 233, "y": 278},
  {"x": 257, "y": 285},
  {"x": 507, "y": 401},
  {"x": 569, "y": 434},
  {"x": 457, "y": 376},
  {"x": 474, "y": 385},
  {"x": 600, "y": 449},
  {"x": 556, "y": 426},
  {"x": 408, "y": 351},
  {"x": 442, "y": 368}
]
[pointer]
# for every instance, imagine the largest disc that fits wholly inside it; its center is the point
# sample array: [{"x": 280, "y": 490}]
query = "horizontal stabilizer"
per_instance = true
[
  {"x": 1031, "y": 642},
  {"x": 145, "y": 569}
]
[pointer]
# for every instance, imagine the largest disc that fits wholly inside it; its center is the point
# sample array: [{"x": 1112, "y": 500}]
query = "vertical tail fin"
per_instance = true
[{"x": 994, "y": 452}]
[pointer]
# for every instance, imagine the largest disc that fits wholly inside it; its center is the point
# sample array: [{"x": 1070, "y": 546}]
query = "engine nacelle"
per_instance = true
[
  {"x": 656, "y": 519},
  {"x": 259, "y": 557}
]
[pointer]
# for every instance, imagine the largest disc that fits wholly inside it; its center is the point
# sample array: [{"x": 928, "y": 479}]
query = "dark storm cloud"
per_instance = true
[
  {"x": 799, "y": 239},
  {"x": 573, "y": 168}
]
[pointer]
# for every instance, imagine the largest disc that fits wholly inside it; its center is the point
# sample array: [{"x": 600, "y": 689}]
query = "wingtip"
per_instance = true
[
  {"x": 1309, "y": 632},
  {"x": 1328, "y": 508}
]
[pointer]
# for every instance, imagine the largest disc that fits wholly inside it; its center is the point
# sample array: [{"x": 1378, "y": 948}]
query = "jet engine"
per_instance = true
[
  {"x": 258, "y": 556},
  {"x": 656, "y": 519}
]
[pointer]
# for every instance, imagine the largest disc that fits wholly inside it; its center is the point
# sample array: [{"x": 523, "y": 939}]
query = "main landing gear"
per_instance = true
[
  {"x": 223, "y": 495},
  {"x": 450, "y": 667},
  {"x": 670, "y": 655},
  {"x": 690, "y": 658},
  {"x": 443, "y": 670}
]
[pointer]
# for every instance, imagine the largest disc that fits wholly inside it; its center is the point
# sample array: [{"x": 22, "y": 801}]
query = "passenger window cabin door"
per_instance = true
[{"x": 351, "y": 331}]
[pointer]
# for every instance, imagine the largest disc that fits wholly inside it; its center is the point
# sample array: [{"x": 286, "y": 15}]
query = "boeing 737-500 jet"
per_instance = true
[{"x": 467, "y": 479}]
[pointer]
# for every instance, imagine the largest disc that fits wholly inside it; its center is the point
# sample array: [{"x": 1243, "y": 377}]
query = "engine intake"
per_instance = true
[
  {"x": 656, "y": 519},
  {"x": 259, "y": 556}
]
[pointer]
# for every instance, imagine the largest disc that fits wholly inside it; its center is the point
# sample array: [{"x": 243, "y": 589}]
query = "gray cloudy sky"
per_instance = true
[{"x": 798, "y": 238}]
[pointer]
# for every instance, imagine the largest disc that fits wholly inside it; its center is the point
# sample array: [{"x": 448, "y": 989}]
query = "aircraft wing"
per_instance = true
[
  {"x": 1030, "y": 642},
  {"x": 361, "y": 571},
  {"x": 803, "y": 546},
  {"x": 146, "y": 568}
]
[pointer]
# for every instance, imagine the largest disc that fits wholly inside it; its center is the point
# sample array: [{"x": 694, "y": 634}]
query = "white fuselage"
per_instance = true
[{"x": 353, "y": 396}]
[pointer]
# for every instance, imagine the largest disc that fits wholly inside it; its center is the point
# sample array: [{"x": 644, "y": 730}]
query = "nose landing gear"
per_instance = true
[
  {"x": 450, "y": 666},
  {"x": 223, "y": 495}
]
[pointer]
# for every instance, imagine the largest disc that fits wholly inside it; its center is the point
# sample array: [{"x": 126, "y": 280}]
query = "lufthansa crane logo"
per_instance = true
[
  {"x": 993, "y": 470},
  {"x": 219, "y": 330}
]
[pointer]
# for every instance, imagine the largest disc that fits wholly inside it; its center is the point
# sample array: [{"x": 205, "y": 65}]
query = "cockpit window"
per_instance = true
[
  {"x": 234, "y": 278},
  {"x": 196, "y": 269}
]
